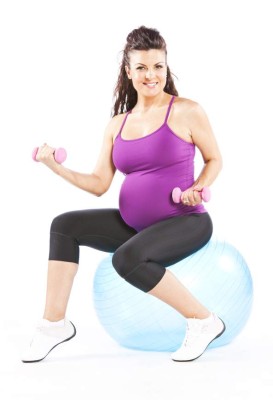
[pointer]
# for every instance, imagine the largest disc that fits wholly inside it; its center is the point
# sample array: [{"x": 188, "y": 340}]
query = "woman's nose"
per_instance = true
[{"x": 149, "y": 73}]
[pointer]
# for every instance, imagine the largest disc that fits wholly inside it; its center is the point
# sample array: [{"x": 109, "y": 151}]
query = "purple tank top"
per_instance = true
[{"x": 153, "y": 166}]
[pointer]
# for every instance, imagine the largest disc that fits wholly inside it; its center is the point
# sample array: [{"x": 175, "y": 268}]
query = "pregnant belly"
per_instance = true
[{"x": 145, "y": 200}]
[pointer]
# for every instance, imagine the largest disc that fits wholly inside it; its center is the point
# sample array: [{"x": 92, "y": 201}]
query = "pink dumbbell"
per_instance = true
[
  {"x": 177, "y": 193},
  {"x": 59, "y": 154}
]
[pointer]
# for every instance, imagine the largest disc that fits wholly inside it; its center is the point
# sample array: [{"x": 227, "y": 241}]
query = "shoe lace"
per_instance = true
[
  {"x": 39, "y": 329},
  {"x": 194, "y": 329}
]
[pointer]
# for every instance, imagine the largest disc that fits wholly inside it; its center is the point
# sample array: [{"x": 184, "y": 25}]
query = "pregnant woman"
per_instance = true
[{"x": 151, "y": 139}]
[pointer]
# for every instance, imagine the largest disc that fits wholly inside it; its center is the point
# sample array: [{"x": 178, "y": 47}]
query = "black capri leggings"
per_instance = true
[{"x": 141, "y": 257}]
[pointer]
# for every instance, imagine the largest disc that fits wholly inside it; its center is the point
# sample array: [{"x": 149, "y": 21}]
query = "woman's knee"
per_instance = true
[
  {"x": 136, "y": 269},
  {"x": 123, "y": 261},
  {"x": 63, "y": 244},
  {"x": 62, "y": 223}
]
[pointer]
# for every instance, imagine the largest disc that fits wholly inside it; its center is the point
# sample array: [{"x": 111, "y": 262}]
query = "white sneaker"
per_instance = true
[
  {"x": 199, "y": 334},
  {"x": 48, "y": 335}
]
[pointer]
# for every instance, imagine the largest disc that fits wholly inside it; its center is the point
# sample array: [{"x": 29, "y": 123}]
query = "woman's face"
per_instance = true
[{"x": 148, "y": 71}]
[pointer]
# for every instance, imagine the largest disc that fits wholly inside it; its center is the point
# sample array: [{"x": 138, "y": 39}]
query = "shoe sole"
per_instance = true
[
  {"x": 219, "y": 334},
  {"x": 66, "y": 340}
]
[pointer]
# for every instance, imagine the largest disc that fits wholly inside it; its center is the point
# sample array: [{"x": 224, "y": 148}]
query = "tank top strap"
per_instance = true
[
  {"x": 123, "y": 122},
  {"x": 169, "y": 110}
]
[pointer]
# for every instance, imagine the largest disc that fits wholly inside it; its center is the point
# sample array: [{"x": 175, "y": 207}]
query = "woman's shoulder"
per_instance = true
[
  {"x": 114, "y": 125},
  {"x": 185, "y": 104},
  {"x": 116, "y": 120},
  {"x": 188, "y": 107}
]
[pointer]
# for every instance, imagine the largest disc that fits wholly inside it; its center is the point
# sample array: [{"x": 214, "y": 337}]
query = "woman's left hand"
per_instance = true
[{"x": 191, "y": 197}]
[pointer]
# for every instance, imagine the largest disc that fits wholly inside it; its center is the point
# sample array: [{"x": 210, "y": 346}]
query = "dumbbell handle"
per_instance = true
[
  {"x": 59, "y": 154},
  {"x": 177, "y": 193}
]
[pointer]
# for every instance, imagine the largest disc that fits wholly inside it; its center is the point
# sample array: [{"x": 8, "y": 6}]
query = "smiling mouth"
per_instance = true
[{"x": 150, "y": 85}]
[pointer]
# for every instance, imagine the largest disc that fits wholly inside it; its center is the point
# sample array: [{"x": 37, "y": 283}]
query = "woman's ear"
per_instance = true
[{"x": 127, "y": 71}]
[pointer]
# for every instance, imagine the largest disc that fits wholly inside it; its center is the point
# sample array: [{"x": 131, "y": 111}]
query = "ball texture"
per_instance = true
[{"x": 217, "y": 275}]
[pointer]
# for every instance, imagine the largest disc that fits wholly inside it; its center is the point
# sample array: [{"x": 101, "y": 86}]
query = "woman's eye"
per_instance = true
[{"x": 143, "y": 68}]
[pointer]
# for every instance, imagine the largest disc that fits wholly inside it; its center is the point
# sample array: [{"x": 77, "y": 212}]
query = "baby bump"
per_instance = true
[{"x": 144, "y": 200}]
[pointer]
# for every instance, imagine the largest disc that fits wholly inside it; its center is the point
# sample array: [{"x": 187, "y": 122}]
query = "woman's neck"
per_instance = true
[{"x": 144, "y": 104}]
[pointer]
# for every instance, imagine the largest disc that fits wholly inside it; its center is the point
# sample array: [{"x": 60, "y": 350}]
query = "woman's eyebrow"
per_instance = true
[{"x": 159, "y": 62}]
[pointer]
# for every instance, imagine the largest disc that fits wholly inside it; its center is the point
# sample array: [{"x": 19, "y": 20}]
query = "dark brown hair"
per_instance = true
[{"x": 125, "y": 95}]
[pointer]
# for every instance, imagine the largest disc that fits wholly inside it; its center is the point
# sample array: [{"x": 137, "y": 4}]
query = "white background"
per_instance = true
[{"x": 58, "y": 67}]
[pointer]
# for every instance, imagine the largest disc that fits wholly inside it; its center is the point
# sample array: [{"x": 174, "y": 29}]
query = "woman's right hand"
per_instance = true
[{"x": 45, "y": 154}]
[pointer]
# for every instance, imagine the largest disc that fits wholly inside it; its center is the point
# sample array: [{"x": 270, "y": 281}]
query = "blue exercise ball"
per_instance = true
[{"x": 217, "y": 275}]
